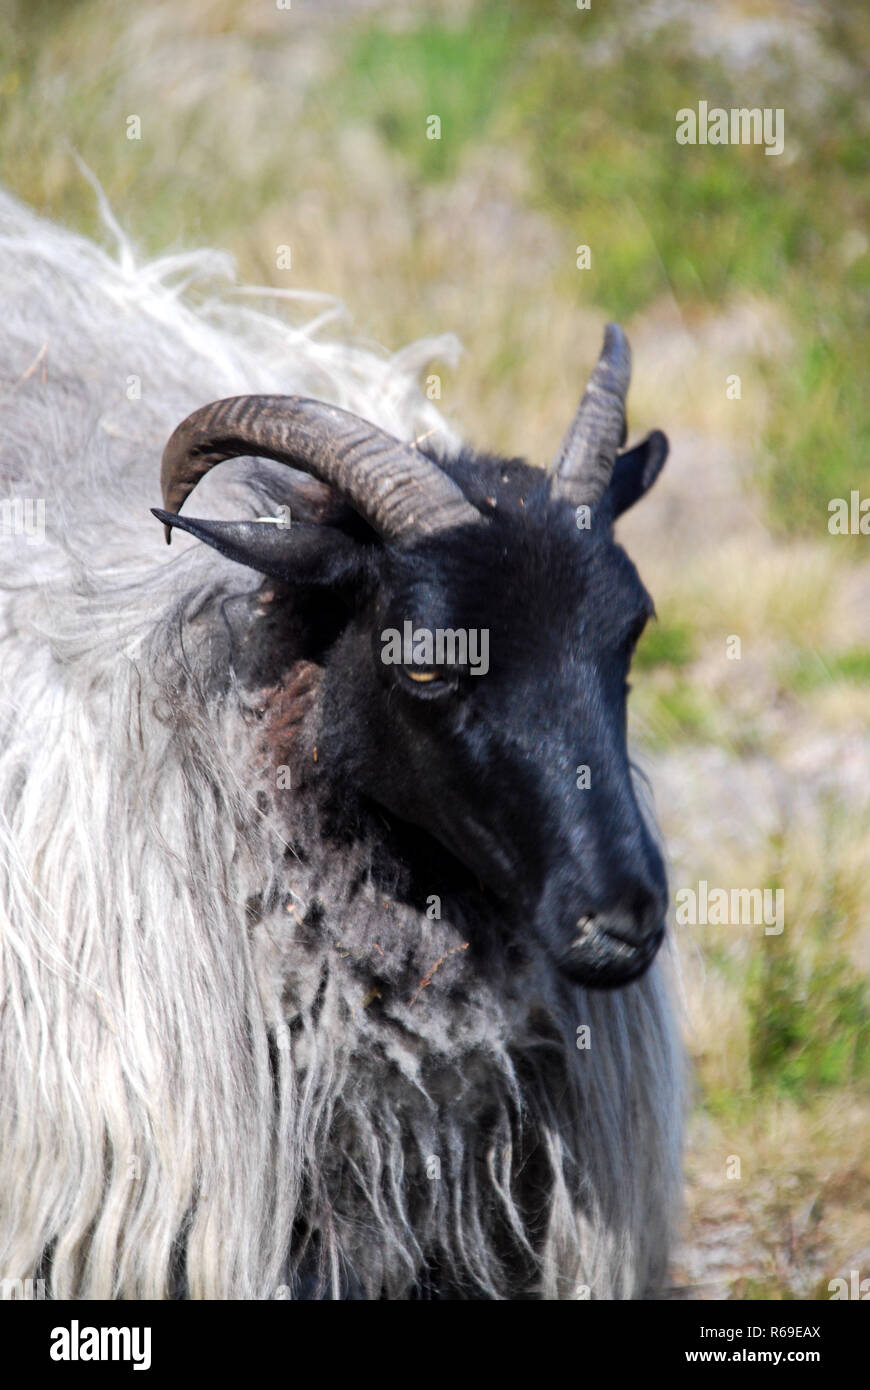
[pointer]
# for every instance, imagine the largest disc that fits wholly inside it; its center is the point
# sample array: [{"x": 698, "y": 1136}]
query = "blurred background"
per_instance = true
[{"x": 306, "y": 127}]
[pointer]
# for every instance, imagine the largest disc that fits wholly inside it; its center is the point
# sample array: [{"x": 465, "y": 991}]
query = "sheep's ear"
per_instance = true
[
  {"x": 635, "y": 471},
  {"x": 298, "y": 553}
]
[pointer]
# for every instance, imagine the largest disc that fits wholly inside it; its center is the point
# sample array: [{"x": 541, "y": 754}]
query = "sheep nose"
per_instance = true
[{"x": 637, "y": 918}]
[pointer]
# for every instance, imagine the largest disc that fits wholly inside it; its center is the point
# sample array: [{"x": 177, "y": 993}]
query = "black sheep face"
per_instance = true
[
  {"x": 514, "y": 758},
  {"x": 506, "y": 744}
]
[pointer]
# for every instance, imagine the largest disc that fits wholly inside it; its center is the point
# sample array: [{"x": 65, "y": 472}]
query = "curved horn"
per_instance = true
[
  {"x": 402, "y": 494},
  {"x": 584, "y": 463}
]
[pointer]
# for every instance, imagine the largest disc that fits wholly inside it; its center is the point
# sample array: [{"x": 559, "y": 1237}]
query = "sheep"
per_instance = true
[{"x": 324, "y": 976}]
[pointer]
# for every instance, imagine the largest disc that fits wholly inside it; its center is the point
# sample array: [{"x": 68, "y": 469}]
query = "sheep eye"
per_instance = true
[
  {"x": 428, "y": 681},
  {"x": 423, "y": 674}
]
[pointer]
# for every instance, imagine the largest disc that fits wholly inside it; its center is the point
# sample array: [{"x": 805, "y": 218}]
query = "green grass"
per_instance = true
[
  {"x": 769, "y": 1290},
  {"x": 811, "y": 670},
  {"x": 809, "y": 1008},
  {"x": 397, "y": 81},
  {"x": 664, "y": 644},
  {"x": 809, "y": 1029},
  {"x": 697, "y": 222},
  {"x": 595, "y": 132}
]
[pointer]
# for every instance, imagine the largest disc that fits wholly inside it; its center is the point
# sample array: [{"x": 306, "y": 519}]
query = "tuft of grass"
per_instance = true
[
  {"x": 402, "y": 82},
  {"x": 809, "y": 1029},
  {"x": 767, "y": 1290},
  {"x": 665, "y": 644},
  {"x": 672, "y": 709},
  {"x": 817, "y": 441},
  {"x": 810, "y": 670}
]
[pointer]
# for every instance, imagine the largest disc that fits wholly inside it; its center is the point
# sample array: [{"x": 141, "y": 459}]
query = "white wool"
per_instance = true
[{"x": 189, "y": 1069}]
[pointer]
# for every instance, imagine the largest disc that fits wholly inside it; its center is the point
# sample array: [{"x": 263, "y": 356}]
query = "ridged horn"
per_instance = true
[
  {"x": 401, "y": 494},
  {"x": 583, "y": 466}
]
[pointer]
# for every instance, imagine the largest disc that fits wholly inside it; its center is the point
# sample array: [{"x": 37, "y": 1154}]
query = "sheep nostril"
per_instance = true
[
  {"x": 637, "y": 918},
  {"x": 640, "y": 931},
  {"x": 639, "y": 936}
]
